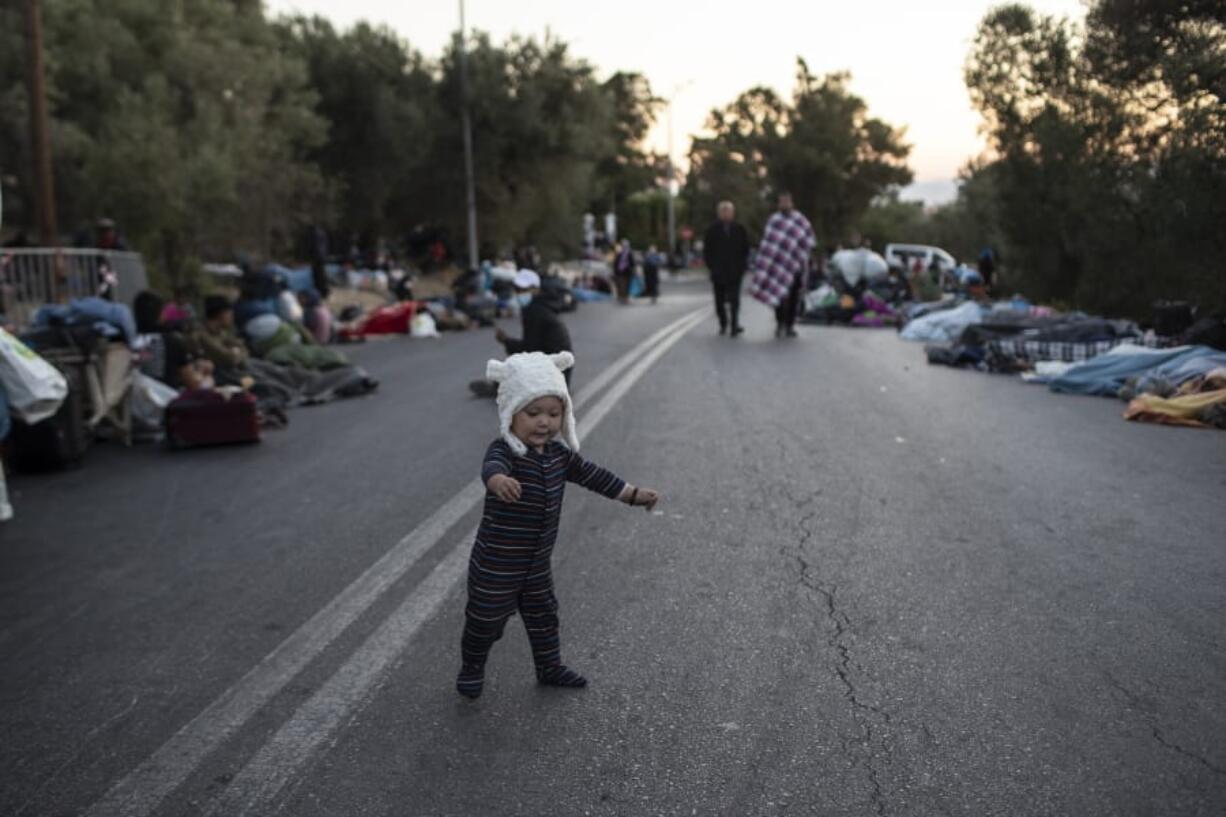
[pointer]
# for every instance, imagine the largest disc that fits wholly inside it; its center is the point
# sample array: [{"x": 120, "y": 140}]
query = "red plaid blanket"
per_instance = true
[{"x": 782, "y": 256}]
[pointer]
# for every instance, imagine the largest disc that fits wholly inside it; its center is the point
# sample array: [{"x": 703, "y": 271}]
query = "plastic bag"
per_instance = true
[
  {"x": 858, "y": 264},
  {"x": 288, "y": 307},
  {"x": 262, "y": 327},
  {"x": 149, "y": 401},
  {"x": 821, "y": 297},
  {"x": 35, "y": 389},
  {"x": 423, "y": 326}
]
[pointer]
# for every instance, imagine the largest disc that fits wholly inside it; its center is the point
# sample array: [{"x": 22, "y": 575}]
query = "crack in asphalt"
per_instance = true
[
  {"x": 1186, "y": 753},
  {"x": 843, "y": 669},
  {"x": 1135, "y": 703},
  {"x": 864, "y": 714}
]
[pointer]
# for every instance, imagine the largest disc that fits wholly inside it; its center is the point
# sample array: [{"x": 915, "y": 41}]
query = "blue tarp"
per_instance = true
[{"x": 1106, "y": 374}]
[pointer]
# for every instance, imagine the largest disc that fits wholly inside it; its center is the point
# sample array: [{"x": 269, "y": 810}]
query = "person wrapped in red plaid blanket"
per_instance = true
[{"x": 781, "y": 264}]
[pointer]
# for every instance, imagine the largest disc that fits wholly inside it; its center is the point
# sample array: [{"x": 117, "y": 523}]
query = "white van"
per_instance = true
[{"x": 901, "y": 257}]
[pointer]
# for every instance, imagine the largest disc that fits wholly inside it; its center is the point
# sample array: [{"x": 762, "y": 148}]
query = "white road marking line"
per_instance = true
[
  {"x": 140, "y": 791},
  {"x": 618, "y": 366},
  {"x": 319, "y": 718},
  {"x": 316, "y": 722},
  {"x": 593, "y": 417}
]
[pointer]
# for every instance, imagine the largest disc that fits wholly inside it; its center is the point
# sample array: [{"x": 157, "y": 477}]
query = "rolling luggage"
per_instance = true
[{"x": 208, "y": 417}]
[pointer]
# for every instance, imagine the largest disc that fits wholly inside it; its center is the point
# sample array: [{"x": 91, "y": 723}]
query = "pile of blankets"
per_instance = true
[
  {"x": 1183, "y": 385},
  {"x": 108, "y": 319},
  {"x": 1012, "y": 336},
  {"x": 1073, "y": 353},
  {"x": 825, "y": 305},
  {"x": 1198, "y": 402},
  {"x": 943, "y": 321}
]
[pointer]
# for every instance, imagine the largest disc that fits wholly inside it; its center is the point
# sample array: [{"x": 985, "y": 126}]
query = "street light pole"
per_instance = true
[
  {"x": 40, "y": 142},
  {"x": 672, "y": 172},
  {"x": 466, "y": 124},
  {"x": 672, "y": 215}
]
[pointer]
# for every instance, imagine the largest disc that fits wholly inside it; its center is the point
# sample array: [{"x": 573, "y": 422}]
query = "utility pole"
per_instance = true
[
  {"x": 470, "y": 189},
  {"x": 40, "y": 142}
]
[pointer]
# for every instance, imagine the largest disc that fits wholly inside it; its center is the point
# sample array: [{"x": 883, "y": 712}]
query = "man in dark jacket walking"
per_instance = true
[
  {"x": 543, "y": 329},
  {"x": 725, "y": 249}
]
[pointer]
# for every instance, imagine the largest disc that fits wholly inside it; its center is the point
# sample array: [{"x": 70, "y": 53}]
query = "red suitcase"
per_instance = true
[{"x": 207, "y": 417}]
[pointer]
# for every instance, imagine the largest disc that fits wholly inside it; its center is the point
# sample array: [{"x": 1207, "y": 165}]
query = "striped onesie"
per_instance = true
[{"x": 509, "y": 570}]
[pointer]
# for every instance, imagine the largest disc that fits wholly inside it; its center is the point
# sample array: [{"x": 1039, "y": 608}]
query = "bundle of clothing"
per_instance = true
[
  {"x": 108, "y": 319},
  {"x": 289, "y": 343},
  {"x": 868, "y": 308},
  {"x": 1199, "y": 402},
  {"x": 1007, "y": 338},
  {"x": 1184, "y": 385},
  {"x": 944, "y": 325},
  {"x": 280, "y": 362},
  {"x": 1129, "y": 370}
]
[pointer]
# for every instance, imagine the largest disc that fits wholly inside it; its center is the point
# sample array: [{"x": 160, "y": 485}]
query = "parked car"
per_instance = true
[{"x": 901, "y": 257}]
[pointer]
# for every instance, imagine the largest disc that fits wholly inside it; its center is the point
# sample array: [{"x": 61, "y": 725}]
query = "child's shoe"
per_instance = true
[
  {"x": 559, "y": 675},
  {"x": 470, "y": 681}
]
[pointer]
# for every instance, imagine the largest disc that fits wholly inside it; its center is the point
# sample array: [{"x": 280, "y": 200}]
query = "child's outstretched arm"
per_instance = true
[{"x": 606, "y": 483}]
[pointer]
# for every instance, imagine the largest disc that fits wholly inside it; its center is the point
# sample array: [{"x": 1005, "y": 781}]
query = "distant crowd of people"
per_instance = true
[{"x": 786, "y": 263}]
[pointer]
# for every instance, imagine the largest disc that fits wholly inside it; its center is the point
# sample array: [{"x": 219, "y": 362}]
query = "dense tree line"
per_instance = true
[
  {"x": 1111, "y": 176},
  {"x": 821, "y": 145},
  {"x": 1105, "y": 186},
  {"x": 185, "y": 121},
  {"x": 206, "y": 129}
]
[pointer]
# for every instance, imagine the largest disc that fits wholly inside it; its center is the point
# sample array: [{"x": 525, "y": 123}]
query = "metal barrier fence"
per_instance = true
[{"x": 32, "y": 277}]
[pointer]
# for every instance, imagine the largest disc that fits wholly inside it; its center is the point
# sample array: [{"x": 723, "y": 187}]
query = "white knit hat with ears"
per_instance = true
[{"x": 523, "y": 378}]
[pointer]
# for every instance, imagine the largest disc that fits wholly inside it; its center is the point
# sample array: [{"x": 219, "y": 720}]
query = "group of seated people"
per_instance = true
[
  {"x": 170, "y": 354},
  {"x": 190, "y": 353},
  {"x": 187, "y": 352}
]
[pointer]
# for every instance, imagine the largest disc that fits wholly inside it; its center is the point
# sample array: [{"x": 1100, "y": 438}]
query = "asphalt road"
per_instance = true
[{"x": 874, "y": 587}]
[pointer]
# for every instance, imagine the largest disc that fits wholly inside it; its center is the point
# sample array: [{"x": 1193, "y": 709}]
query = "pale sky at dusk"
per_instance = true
[{"x": 905, "y": 57}]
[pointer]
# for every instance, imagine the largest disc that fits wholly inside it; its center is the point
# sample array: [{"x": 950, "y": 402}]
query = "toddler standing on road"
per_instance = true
[{"x": 525, "y": 473}]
